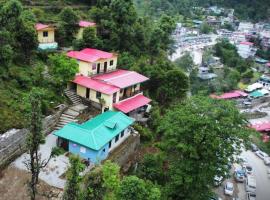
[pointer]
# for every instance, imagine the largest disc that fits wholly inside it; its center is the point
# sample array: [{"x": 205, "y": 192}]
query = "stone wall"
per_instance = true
[
  {"x": 13, "y": 142},
  {"x": 122, "y": 155}
]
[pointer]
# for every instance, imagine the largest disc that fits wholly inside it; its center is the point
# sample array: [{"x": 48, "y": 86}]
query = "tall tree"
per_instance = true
[
  {"x": 73, "y": 189},
  {"x": 62, "y": 69},
  {"x": 200, "y": 135},
  {"x": 35, "y": 163},
  {"x": 111, "y": 178},
  {"x": 68, "y": 26}
]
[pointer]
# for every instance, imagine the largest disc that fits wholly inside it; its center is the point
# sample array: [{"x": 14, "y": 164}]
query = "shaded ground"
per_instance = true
[{"x": 13, "y": 186}]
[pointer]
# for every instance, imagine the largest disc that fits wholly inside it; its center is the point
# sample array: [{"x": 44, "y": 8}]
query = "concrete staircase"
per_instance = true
[
  {"x": 75, "y": 99},
  {"x": 70, "y": 115}
]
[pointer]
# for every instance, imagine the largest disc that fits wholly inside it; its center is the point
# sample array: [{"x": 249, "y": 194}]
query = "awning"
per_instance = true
[{"x": 132, "y": 103}]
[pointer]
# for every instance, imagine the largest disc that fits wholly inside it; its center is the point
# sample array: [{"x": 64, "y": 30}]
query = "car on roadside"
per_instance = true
[
  {"x": 254, "y": 147},
  {"x": 218, "y": 180},
  {"x": 239, "y": 175},
  {"x": 250, "y": 184},
  {"x": 228, "y": 189},
  {"x": 266, "y": 160},
  {"x": 261, "y": 154},
  {"x": 248, "y": 170},
  {"x": 251, "y": 196}
]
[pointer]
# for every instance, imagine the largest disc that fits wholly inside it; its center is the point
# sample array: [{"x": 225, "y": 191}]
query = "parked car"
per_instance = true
[
  {"x": 215, "y": 197},
  {"x": 268, "y": 173},
  {"x": 251, "y": 196},
  {"x": 266, "y": 160},
  {"x": 218, "y": 180},
  {"x": 239, "y": 175},
  {"x": 228, "y": 189},
  {"x": 261, "y": 154},
  {"x": 250, "y": 184},
  {"x": 254, "y": 148},
  {"x": 248, "y": 170}
]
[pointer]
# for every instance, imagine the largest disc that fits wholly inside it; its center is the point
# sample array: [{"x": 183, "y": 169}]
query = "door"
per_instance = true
[
  {"x": 105, "y": 67},
  {"x": 87, "y": 93},
  {"x": 98, "y": 68}
]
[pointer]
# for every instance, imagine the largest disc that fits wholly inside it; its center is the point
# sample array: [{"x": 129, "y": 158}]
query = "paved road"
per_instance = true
[{"x": 262, "y": 180}]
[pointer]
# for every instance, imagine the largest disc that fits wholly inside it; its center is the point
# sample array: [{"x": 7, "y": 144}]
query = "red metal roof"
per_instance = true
[
  {"x": 247, "y": 43},
  {"x": 132, "y": 103},
  {"x": 40, "y": 26},
  {"x": 230, "y": 95},
  {"x": 122, "y": 78},
  {"x": 261, "y": 126},
  {"x": 86, "y": 24},
  {"x": 95, "y": 85},
  {"x": 89, "y": 55}
]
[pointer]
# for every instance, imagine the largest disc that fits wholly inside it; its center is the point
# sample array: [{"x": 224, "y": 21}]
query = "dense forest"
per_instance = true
[
  {"x": 244, "y": 9},
  {"x": 183, "y": 136}
]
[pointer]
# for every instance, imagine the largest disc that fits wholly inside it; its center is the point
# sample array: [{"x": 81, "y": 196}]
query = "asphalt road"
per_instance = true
[{"x": 262, "y": 180}]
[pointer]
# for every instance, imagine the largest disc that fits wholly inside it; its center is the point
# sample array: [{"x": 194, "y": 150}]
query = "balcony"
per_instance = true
[{"x": 130, "y": 95}]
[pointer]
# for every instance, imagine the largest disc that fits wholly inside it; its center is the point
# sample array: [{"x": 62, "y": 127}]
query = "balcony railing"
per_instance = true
[{"x": 131, "y": 95}]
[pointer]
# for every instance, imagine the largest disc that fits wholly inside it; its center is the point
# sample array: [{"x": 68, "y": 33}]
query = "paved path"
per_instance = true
[
  {"x": 55, "y": 168},
  {"x": 262, "y": 180}
]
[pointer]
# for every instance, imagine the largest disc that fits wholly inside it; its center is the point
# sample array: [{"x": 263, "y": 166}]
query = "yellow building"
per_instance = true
[
  {"x": 83, "y": 25},
  {"x": 46, "y": 38},
  {"x": 103, "y": 85}
]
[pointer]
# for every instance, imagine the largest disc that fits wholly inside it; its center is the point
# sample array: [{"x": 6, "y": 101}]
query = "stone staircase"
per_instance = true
[
  {"x": 70, "y": 115},
  {"x": 75, "y": 99}
]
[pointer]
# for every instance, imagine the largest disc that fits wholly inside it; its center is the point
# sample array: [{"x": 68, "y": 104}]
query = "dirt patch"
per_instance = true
[{"x": 13, "y": 185}]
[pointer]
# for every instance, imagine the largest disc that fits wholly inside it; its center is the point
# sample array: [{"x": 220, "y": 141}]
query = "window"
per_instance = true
[
  {"x": 104, "y": 150},
  {"x": 122, "y": 133},
  {"x": 94, "y": 66},
  {"x": 110, "y": 144},
  {"x": 116, "y": 138},
  {"x": 98, "y": 95},
  {"x": 82, "y": 150},
  {"x": 114, "y": 97},
  {"x": 111, "y": 62},
  {"x": 45, "y": 33}
]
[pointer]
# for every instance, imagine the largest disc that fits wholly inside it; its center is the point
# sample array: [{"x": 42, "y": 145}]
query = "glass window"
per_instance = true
[
  {"x": 116, "y": 138},
  {"x": 110, "y": 144},
  {"x": 45, "y": 33},
  {"x": 104, "y": 150},
  {"x": 122, "y": 133},
  {"x": 98, "y": 95},
  {"x": 94, "y": 66},
  {"x": 82, "y": 150},
  {"x": 111, "y": 62}
]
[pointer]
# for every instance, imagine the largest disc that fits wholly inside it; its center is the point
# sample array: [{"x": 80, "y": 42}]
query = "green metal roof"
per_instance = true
[
  {"x": 96, "y": 132},
  {"x": 256, "y": 94}
]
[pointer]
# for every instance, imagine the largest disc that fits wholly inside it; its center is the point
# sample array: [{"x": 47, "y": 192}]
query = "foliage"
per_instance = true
[
  {"x": 72, "y": 188},
  {"x": 89, "y": 39},
  {"x": 68, "y": 26},
  {"x": 145, "y": 133},
  {"x": 185, "y": 62},
  {"x": 62, "y": 70},
  {"x": 133, "y": 188},
  {"x": 111, "y": 179},
  {"x": 94, "y": 185},
  {"x": 205, "y": 28},
  {"x": 199, "y": 136},
  {"x": 151, "y": 167}
]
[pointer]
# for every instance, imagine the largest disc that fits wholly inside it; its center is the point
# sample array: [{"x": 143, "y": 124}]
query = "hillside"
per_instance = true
[{"x": 244, "y": 9}]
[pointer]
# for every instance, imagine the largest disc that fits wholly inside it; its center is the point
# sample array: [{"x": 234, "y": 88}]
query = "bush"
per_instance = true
[{"x": 144, "y": 132}]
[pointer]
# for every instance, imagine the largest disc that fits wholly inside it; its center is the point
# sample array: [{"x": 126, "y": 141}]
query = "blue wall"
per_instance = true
[{"x": 94, "y": 156}]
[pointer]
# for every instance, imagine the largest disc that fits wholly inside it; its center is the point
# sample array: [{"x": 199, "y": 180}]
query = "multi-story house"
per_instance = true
[
  {"x": 82, "y": 26},
  {"x": 45, "y": 35},
  {"x": 246, "y": 49},
  {"x": 105, "y": 86}
]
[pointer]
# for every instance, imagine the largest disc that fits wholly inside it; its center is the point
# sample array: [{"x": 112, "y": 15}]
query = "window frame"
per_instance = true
[{"x": 45, "y": 34}]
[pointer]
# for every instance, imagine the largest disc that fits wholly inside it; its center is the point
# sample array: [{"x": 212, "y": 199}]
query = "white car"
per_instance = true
[
  {"x": 266, "y": 160},
  {"x": 228, "y": 189},
  {"x": 261, "y": 154}
]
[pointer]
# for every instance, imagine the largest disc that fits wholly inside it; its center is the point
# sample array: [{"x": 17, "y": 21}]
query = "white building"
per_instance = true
[
  {"x": 245, "y": 27},
  {"x": 246, "y": 49}
]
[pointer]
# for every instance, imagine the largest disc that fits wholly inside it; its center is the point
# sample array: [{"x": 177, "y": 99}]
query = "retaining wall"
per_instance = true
[{"x": 13, "y": 142}]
